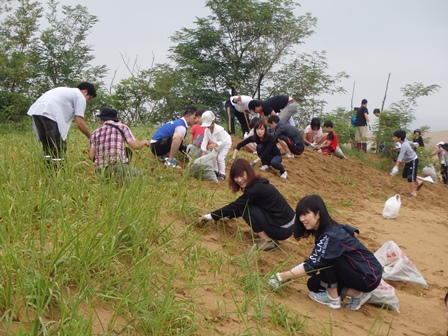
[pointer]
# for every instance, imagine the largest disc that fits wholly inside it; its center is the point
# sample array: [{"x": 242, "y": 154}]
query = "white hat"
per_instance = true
[
  {"x": 440, "y": 143},
  {"x": 207, "y": 118}
]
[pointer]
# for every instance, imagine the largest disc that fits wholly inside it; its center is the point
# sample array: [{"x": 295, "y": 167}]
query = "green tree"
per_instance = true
[
  {"x": 64, "y": 55},
  {"x": 306, "y": 78},
  {"x": 18, "y": 57},
  {"x": 400, "y": 115},
  {"x": 238, "y": 46}
]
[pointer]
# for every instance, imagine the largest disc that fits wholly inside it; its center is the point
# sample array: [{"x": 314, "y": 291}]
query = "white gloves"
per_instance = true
[
  {"x": 275, "y": 281},
  {"x": 206, "y": 217},
  {"x": 394, "y": 171},
  {"x": 312, "y": 145}
]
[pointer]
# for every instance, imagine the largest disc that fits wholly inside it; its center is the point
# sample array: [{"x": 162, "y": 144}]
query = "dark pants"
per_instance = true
[
  {"x": 163, "y": 146},
  {"x": 444, "y": 169},
  {"x": 259, "y": 220},
  {"x": 274, "y": 161},
  {"x": 296, "y": 149},
  {"x": 410, "y": 170},
  {"x": 242, "y": 118},
  {"x": 342, "y": 275},
  {"x": 52, "y": 144}
]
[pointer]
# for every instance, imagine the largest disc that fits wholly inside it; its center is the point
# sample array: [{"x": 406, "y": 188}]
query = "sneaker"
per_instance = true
[
  {"x": 357, "y": 301},
  {"x": 324, "y": 298},
  {"x": 172, "y": 163},
  {"x": 221, "y": 177},
  {"x": 267, "y": 245},
  {"x": 264, "y": 167},
  {"x": 289, "y": 155},
  {"x": 284, "y": 175}
]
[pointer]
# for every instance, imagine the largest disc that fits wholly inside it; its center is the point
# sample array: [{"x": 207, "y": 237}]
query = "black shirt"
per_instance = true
[
  {"x": 275, "y": 104},
  {"x": 360, "y": 117}
]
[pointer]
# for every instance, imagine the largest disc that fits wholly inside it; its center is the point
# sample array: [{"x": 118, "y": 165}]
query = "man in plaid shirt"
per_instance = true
[{"x": 107, "y": 148}]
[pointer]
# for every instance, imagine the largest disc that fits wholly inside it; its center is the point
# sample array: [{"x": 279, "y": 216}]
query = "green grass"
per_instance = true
[{"x": 72, "y": 247}]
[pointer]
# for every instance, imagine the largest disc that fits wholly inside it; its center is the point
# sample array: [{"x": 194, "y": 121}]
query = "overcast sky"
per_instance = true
[{"x": 366, "y": 39}]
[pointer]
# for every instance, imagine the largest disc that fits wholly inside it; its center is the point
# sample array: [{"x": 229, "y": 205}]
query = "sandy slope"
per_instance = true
[{"x": 355, "y": 194}]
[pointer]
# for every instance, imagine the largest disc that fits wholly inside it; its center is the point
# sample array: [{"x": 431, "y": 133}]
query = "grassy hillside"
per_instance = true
[{"x": 80, "y": 257}]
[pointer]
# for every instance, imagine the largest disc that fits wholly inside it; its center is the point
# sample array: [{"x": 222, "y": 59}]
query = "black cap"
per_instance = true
[{"x": 108, "y": 113}]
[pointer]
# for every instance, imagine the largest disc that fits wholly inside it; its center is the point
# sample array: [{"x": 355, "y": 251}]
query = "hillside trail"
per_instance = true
[{"x": 355, "y": 194}]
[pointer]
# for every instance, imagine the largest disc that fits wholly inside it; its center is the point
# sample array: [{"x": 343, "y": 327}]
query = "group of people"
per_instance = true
[{"x": 339, "y": 266}]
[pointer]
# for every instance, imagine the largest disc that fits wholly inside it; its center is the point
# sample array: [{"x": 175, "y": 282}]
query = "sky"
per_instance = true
[{"x": 366, "y": 39}]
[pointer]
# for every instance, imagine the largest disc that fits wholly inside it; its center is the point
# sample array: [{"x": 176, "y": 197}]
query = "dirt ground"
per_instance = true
[{"x": 356, "y": 193}]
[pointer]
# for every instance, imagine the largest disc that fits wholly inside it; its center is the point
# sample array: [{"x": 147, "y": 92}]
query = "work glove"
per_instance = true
[
  {"x": 204, "y": 219},
  {"x": 232, "y": 160},
  {"x": 275, "y": 281},
  {"x": 368, "y": 125},
  {"x": 253, "y": 163},
  {"x": 394, "y": 171}
]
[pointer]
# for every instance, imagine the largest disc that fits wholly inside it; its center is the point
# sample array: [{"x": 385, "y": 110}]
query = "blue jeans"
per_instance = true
[{"x": 274, "y": 161}]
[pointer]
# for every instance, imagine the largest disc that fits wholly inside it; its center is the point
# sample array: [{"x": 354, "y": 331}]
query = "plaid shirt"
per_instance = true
[{"x": 109, "y": 144}]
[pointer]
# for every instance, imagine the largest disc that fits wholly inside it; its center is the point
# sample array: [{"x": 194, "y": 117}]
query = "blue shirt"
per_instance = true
[{"x": 168, "y": 129}]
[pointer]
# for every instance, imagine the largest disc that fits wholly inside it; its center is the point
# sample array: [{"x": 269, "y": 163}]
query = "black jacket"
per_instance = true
[
  {"x": 263, "y": 195},
  {"x": 339, "y": 242}
]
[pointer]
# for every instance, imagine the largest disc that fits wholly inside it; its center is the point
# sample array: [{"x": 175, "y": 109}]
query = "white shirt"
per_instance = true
[
  {"x": 243, "y": 105},
  {"x": 219, "y": 137},
  {"x": 61, "y": 105},
  {"x": 315, "y": 133}
]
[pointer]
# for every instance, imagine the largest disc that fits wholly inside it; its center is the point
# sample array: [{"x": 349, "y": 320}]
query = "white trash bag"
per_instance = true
[
  {"x": 384, "y": 294},
  {"x": 338, "y": 153},
  {"x": 392, "y": 207},
  {"x": 202, "y": 168},
  {"x": 397, "y": 266}
]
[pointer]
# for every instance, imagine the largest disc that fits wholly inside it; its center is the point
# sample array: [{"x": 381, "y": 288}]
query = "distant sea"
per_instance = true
[{"x": 435, "y": 138}]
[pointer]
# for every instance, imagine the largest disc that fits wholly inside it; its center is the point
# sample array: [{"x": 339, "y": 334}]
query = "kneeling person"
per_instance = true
[
  {"x": 288, "y": 136},
  {"x": 107, "y": 148}
]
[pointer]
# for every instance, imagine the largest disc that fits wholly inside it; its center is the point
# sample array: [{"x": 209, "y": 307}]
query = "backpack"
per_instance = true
[{"x": 354, "y": 120}]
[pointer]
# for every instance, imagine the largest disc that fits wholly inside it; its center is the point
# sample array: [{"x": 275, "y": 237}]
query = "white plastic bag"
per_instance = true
[
  {"x": 384, "y": 294},
  {"x": 338, "y": 153},
  {"x": 392, "y": 207},
  {"x": 202, "y": 168},
  {"x": 397, "y": 266}
]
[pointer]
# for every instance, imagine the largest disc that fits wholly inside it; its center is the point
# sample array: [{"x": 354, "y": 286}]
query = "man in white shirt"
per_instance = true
[
  {"x": 53, "y": 113},
  {"x": 237, "y": 106}
]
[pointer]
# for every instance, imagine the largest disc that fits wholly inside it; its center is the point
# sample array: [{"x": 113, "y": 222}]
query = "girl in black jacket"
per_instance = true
[
  {"x": 267, "y": 149},
  {"x": 339, "y": 264},
  {"x": 261, "y": 205}
]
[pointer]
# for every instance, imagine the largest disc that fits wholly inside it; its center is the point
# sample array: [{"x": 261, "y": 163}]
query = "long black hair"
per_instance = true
[{"x": 316, "y": 205}]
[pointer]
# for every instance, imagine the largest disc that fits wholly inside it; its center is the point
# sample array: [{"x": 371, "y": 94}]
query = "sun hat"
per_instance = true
[
  {"x": 108, "y": 113},
  {"x": 440, "y": 143},
  {"x": 207, "y": 118}
]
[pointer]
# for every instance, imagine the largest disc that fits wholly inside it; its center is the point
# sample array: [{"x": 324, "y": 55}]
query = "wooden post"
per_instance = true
[{"x": 385, "y": 93}]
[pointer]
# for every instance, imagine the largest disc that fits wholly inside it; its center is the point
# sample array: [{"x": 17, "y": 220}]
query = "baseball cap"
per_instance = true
[{"x": 207, "y": 118}]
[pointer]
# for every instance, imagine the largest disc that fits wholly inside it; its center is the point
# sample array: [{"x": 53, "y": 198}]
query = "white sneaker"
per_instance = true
[
  {"x": 324, "y": 298},
  {"x": 289, "y": 155},
  {"x": 284, "y": 175},
  {"x": 264, "y": 167}
]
